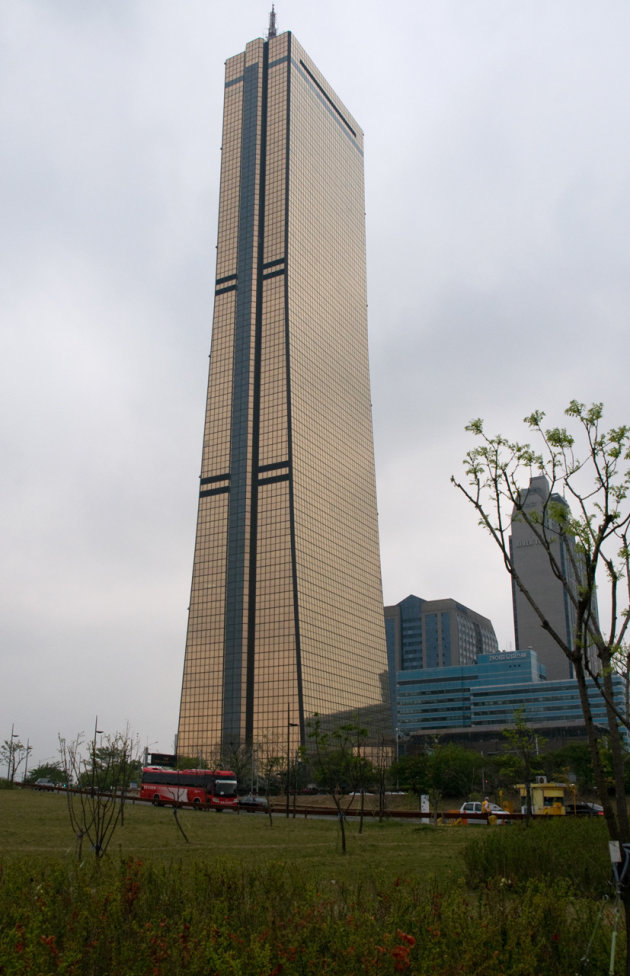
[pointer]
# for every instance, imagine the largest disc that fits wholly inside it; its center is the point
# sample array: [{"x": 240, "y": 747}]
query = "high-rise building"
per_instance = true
[
  {"x": 424, "y": 635},
  {"x": 435, "y": 634},
  {"x": 532, "y": 564},
  {"x": 286, "y": 613}
]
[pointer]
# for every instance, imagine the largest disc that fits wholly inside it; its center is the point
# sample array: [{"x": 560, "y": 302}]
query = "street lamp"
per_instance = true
[
  {"x": 290, "y": 725},
  {"x": 11, "y": 762},
  {"x": 28, "y": 749},
  {"x": 97, "y": 731},
  {"x": 254, "y": 770}
]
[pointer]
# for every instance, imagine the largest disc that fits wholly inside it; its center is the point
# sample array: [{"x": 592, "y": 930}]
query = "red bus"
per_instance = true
[{"x": 203, "y": 788}]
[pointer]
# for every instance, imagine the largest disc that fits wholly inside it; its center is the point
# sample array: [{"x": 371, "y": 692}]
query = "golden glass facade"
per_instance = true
[{"x": 286, "y": 611}]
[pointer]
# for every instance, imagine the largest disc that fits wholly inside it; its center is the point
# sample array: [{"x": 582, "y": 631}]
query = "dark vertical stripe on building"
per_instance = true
[
  {"x": 253, "y": 488},
  {"x": 296, "y": 614},
  {"x": 237, "y": 518}
]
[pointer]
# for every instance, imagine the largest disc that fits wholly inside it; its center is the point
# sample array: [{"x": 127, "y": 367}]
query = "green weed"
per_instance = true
[
  {"x": 247, "y": 899},
  {"x": 574, "y": 850}
]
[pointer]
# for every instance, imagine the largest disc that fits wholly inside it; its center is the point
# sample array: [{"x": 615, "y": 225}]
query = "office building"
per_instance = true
[
  {"x": 531, "y": 562},
  {"x": 435, "y": 634},
  {"x": 286, "y": 613},
  {"x": 471, "y": 704}
]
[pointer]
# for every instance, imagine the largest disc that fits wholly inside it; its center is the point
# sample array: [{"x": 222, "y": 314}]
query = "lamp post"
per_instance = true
[
  {"x": 290, "y": 725},
  {"x": 28, "y": 749},
  {"x": 254, "y": 770},
  {"x": 11, "y": 763},
  {"x": 97, "y": 731}
]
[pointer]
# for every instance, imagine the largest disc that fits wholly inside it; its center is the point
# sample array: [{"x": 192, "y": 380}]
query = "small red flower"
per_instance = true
[
  {"x": 49, "y": 940},
  {"x": 400, "y": 955}
]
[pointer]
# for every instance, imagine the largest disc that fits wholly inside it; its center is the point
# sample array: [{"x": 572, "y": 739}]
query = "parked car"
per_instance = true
[
  {"x": 475, "y": 807},
  {"x": 252, "y": 802},
  {"x": 584, "y": 810},
  {"x": 43, "y": 783}
]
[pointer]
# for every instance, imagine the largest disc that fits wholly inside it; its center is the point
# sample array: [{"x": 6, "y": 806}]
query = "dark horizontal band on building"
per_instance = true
[
  {"x": 232, "y": 278},
  {"x": 274, "y": 466},
  {"x": 224, "y": 489},
  {"x": 271, "y": 481},
  {"x": 240, "y": 79},
  {"x": 213, "y": 478}
]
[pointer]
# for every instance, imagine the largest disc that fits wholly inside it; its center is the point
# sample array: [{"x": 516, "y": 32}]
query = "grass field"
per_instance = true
[
  {"x": 244, "y": 898},
  {"x": 37, "y": 824}
]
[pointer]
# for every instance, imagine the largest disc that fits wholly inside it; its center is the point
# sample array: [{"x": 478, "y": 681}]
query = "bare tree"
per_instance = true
[
  {"x": 588, "y": 509},
  {"x": 521, "y": 755},
  {"x": 382, "y": 761},
  {"x": 97, "y": 780},
  {"x": 339, "y": 766},
  {"x": 269, "y": 761},
  {"x": 238, "y": 759},
  {"x": 12, "y": 754}
]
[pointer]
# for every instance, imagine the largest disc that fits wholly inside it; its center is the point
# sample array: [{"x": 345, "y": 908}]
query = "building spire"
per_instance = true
[{"x": 272, "y": 23}]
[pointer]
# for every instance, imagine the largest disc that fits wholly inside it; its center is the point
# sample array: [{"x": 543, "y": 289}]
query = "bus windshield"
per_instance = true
[{"x": 225, "y": 786}]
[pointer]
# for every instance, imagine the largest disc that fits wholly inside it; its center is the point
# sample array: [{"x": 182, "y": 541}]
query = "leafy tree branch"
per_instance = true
[{"x": 582, "y": 527}]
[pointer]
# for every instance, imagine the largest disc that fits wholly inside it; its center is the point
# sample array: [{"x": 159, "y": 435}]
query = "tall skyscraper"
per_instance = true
[
  {"x": 552, "y": 597},
  {"x": 286, "y": 613}
]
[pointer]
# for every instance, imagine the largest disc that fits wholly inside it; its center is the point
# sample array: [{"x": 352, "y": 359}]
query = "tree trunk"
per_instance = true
[
  {"x": 617, "y": 751},
  {"x": 342, "y": 821},
  {"x": 625, "y": 901},
  {"x": 617, "y": 819},
  {"x": 598, "y": 771}
]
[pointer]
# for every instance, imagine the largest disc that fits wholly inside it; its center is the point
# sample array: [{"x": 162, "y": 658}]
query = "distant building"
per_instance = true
[
  {"x": 531, "y": 562},
  {"x": 435, "y": 634},
  {"x": 473, "y": 703}
]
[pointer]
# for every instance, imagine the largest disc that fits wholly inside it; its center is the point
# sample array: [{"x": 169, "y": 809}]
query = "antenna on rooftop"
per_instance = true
[{"x": 272, "y": 23}]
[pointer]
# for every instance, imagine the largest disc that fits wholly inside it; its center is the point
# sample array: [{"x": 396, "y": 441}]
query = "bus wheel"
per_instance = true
[
  {"x": 197, "y": 803},
  {"x": 156, "y": 800}
]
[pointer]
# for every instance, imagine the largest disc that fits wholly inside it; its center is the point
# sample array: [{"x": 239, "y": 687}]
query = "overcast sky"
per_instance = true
[{"x": 498, "y": 207}]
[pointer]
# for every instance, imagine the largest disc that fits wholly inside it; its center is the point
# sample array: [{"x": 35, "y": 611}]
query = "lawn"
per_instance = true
[
  {"x": 36, "y": 823},
  {"x": 243, "y": 898}
]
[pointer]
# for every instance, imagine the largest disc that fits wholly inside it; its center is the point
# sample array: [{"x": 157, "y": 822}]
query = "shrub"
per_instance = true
[
  {"x": 135, "y": 918},
  {"x": 571, "y": 849}
]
